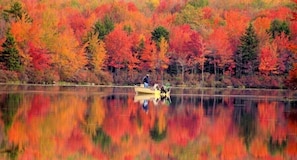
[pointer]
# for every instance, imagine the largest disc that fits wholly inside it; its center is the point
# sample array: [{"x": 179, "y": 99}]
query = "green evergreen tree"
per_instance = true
[
  {"x": 16, "y": 13},
  {"x": 277, "y": 27},
  {"x": 10, "y": 55},
  {"x": 158, "y": 33},
  {"x": 104, "y": 27},
  {"x": 246, "y": 57}
]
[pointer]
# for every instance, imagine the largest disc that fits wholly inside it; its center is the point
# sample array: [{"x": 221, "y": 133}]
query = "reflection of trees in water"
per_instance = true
[
  {"x": 94, "y": 116},
  {"x": 117, "y": 100},
  {"x": 276, "y": 146},
  {"x": 159, "y": 130},
  {"x": 291, "y": 116},
  {"x": 9, "y": 107},
  {"x": 111, "y": 125},
  {"x": 244, "y": 117},
  {"x": 209, "y": 103},
  {"x": 156, "y": 133},
  {"x": 184, "y": 100},
  {"x": 101, "y": 138}
]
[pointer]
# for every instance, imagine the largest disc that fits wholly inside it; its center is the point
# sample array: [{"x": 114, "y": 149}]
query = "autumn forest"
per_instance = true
[{"x": 209, "y": 43}]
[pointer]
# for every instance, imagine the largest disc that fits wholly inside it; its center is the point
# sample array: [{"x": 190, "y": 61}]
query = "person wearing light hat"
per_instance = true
[{"x": 146, "y": 80}]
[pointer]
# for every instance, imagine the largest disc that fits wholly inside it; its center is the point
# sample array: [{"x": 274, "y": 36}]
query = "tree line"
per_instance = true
[{"x": 195, "y": 42}]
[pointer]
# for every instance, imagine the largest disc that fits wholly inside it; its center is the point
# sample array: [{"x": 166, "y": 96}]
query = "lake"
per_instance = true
[{"x": 80, "y": 122}]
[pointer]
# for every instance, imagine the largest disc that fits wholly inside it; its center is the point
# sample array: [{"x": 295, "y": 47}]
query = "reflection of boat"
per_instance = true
[
  {"x": 142, "y": 98},
  {"x": 156, "y": 90}
]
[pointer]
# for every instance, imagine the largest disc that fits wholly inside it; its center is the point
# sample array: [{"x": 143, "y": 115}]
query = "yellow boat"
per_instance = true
[{"x": 151, "y": 90}]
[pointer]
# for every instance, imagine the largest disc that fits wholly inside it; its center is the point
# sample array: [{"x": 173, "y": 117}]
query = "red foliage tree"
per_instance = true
[
  {"x": 78, "y": 24},
  {"x": 197, "y": 50},
  {"x": 281, "y": 13},
  {"x": 148, "y": 55},
  {"x": 177, "y": 41},
  {"x": 236, "y": 24},
  {"x": 268, "y": 58},
  {"x": 292, "y": 79},
  {"x": 40, "y": 57},
  {"x": 221, "y": 48},
  {"x": 284, "y": 55},
  {"x": 119, "y": 45}
]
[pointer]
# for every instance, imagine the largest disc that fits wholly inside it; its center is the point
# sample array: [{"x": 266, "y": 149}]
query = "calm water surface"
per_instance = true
[{"x": 113, "y": 123}]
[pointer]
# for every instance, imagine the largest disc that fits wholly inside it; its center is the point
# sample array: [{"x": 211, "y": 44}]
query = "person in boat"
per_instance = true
[
  {"x": 163, "y": 89},
  {"x": 146, "y": 80}
]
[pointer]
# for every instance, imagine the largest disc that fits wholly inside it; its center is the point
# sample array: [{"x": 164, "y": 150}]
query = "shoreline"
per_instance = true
[
  {"x": 284, "y": 94},
  {"x": 67, "y": 84}
]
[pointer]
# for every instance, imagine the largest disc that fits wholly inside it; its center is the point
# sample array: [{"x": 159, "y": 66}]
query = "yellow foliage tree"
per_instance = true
[
  {"x": 163, "y": 54},
  {"x": 100, "y": 57},
  {"x": 68, "y": 55},
  {"x": 96, "y": 53}
]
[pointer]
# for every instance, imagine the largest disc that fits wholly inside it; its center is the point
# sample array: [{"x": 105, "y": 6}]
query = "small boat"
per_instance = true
[{"x": 156, "y": 90}]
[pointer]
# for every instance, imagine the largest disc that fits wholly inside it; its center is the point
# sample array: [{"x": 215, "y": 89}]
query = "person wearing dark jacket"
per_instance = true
[{"x": 146, "y": 81}]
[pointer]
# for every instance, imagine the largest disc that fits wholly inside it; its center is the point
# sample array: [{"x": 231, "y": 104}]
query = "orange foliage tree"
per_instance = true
[
  {"x": 148, "y": 55},
  {"x": 220, "y": 46},
  {"x": 292, "y": 78},
  {"x": 268, "y": 58},
  {"x": 197, "y": 49},
  {"x": 236, "y": 24},
  {"x": 68, "y": 56},
  {"x": 178, "y": 52}
]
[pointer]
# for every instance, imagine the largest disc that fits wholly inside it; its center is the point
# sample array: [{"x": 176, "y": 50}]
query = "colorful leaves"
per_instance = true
[
  {"x": 60, "y": 29},
  {"x": 68, "y": 56},
  {"x": 220, "y": 44},
  {"x": 149, "y": 55},
  {"x": 40, "y": 57},
  {"x": 163, "y": 54},
  {"x": 96, "y": 53},
  {"x": 119, "y": 46},
  {"x": 268, "y": 58}
]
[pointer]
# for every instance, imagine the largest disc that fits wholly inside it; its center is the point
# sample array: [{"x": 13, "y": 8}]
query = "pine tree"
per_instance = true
[
  {"x": 10, "y": 55},
  {"x": 158, "y": 33},
  {"x": 246, "y": 57},
  {"x": 104, "y": 27},
  {"x": 16, "y": 13},
  {"x": 277, "y": 27}
]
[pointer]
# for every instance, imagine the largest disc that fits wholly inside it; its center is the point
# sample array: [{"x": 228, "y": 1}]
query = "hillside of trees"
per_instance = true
[{"x": 209, "y": 43}]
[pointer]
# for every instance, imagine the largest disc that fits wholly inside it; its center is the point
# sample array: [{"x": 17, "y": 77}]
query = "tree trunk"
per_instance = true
[
  {"x": 215, "y": 70},
  {"x": 223, "y": 71},
  {"x": 202, "y": 69},
  {"x": 183, "y": 73}
]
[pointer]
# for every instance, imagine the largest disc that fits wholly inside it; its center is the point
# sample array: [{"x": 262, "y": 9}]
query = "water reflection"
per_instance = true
[
  {"x": 145, "y": 99},
  {"x": 113, "y": 123}
]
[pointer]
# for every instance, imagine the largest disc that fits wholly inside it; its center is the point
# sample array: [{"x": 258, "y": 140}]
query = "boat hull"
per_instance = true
[{"x": 150, "y": 90}]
